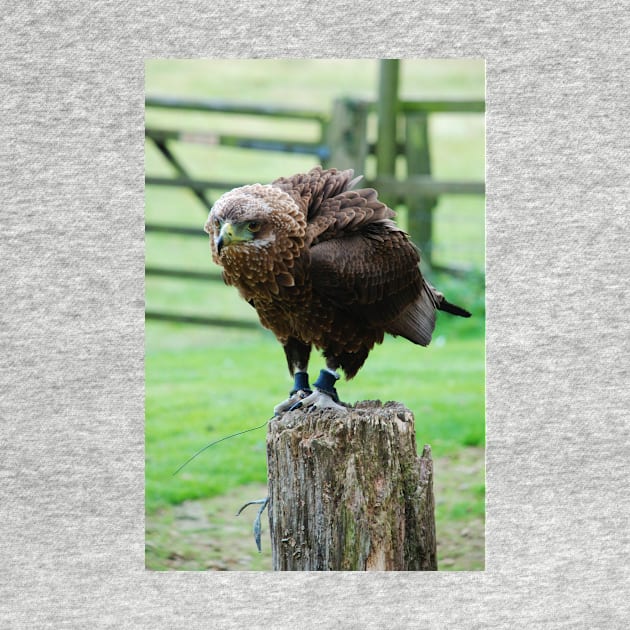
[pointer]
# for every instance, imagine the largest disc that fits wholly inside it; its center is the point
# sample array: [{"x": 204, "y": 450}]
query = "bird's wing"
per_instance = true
[
  {"x": 349, "y": 213},
  {"x": 359, "y": 259},
  {"x": 372, "y": 274},
  {"x": 311, "y": 189}
]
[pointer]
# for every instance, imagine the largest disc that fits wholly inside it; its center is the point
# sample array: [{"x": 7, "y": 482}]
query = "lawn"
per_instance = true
[{"x": 204, "y": 383}]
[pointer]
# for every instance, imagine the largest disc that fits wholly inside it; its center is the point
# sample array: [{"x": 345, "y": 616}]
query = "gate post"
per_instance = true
[
  {"x": 419, "y": 207},
  {"x": 347, "y": 135}
]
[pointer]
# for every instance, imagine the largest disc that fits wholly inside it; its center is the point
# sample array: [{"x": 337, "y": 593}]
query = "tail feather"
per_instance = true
[
  {"x": 417, "y": 321},
  {"x": 453, "y": 309},
  {"x": 441, "y": 303}
]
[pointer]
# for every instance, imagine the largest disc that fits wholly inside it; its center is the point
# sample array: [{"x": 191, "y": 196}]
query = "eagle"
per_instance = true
[{"x": 326, "y": 266}]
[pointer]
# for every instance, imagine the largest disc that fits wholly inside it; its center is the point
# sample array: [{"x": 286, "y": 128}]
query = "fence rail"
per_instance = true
[
  {"x": 184, "y": 273},
  {"x": 427, "y": 186},
  {"x": 317, "y": 149},
  {"x": 187, "y": 182},
  {"x": 227, "y": 107},
  {"x": 204, "y": 321},
  {"x": 174, "y": 229},
  {"x": 450, "y": 106}
]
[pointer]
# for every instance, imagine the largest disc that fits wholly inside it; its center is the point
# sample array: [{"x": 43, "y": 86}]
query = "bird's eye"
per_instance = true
[
  {"x": 253, "y": 226},
  {"x": 216, "y": 224}
]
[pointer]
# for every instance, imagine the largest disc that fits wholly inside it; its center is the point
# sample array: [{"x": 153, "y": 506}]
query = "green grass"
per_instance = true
[
  {"x": 310, "y": 83},
  {"x": 205, "y": 383},
  {"x": 210, "y": 385}
]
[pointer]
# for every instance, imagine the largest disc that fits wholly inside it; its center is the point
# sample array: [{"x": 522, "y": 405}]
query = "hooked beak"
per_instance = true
[{"x": 226, "y": 236}]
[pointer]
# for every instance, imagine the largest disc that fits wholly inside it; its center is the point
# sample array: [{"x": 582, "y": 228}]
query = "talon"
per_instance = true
[
  {"x": 289, "y": 403},
  {"x": 322, "y": 400},
  {"x": 323, "y": 396}
]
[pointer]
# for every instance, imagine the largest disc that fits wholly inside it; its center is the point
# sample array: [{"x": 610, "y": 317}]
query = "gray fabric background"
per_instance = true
[{"x": 71, "y": 366}]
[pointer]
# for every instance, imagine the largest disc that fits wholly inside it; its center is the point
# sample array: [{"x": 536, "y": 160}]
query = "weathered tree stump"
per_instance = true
[{"x": 349, "y": 492}]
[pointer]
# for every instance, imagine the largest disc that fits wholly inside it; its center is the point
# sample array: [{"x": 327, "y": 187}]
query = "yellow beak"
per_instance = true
[{"x": 226, "y": 236}]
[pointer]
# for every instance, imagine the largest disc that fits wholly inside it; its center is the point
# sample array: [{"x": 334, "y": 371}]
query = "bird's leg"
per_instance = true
[
  {"x": 324, "y": 395},
  {"x": 297, "y": 354},
  {"x": 300, "y": 390}
]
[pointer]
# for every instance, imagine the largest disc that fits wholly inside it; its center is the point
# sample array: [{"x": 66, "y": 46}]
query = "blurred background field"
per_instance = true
[{"x": 203, "y": 383}]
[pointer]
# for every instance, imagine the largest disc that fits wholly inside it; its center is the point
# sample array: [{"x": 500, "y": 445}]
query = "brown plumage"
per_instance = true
[{"x": 324, "y": 266}]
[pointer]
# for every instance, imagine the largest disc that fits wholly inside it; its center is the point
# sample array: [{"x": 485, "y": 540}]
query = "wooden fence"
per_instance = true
[{"x": 343, "y": 142}]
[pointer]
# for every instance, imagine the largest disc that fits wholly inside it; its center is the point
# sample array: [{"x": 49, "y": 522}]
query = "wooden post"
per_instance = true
[
  {"x": 387, "y": 117},
  {"x": 387, "y": 129},
  {"x": 349, "y": 492},
  {"x": 347, "y": 136},
  {"x": 419, "y": 207}
]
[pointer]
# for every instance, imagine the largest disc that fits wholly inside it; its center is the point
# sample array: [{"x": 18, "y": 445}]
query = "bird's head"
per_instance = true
[
  {"x": 227, "y": 233},
  {"x": 251, "y": 218}
]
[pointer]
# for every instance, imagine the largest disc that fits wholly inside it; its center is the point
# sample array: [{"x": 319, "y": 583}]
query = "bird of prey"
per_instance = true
[{"x": 324, "y": 266}]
